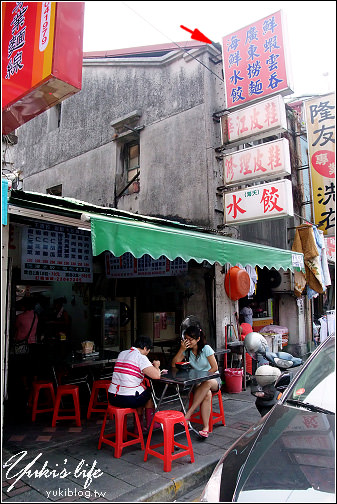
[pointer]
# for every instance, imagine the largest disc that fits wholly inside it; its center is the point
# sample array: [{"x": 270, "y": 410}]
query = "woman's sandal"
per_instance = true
[{"x": 203, "y": 433}]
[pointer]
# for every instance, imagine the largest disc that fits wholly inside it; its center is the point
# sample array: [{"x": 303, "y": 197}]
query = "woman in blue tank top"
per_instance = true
[{"x": 201, "y": 357}]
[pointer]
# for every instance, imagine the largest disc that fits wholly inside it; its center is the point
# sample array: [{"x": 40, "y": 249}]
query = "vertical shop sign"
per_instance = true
[
  {"x": 56, "y": 253},
  {"x": 257, "y": 121},
  {"x": 266, "y": 161},
  {"x": 260, "y": 202},
  {"x": 42, "y": 55},
  {"x": 321, "y": 120},
  {"x": 255, "y": 62}
]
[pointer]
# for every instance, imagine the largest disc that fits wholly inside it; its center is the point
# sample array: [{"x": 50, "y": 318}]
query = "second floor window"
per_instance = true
[{"x": 132, "y": 166}]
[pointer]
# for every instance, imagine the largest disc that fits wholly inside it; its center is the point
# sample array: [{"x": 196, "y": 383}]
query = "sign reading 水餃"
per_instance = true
[{"x": 259, "y": 202}]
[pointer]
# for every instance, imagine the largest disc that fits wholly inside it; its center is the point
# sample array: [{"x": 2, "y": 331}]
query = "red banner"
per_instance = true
[{"x": 42, "y": 52}]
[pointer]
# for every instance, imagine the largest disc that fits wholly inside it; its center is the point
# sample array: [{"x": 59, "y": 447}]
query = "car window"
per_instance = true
[{"x": 317, "y": 384}]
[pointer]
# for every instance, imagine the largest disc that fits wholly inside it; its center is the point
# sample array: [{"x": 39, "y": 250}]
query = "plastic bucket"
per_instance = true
[{"x": 233, "y": 380}]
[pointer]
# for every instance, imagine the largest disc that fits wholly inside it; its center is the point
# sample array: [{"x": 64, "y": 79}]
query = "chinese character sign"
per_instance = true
[
  {"x": 268, "y": 160},
  {"x": 56, "y": 253},
  {"x": 254, "y": 60},
  {"x": 258, "y": 121},
  {"x": 260, "y": 202},
  {"x": 321, "y": 120},
  {"x": 330, "y": 246},
  {"x": 127, "y": 266},
  {"x": 23, "y": 65},
  {"x": 42, "y": 54}
]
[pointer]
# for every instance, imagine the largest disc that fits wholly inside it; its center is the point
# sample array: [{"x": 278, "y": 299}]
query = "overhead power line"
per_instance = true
[{"x": 175, "y": 43}]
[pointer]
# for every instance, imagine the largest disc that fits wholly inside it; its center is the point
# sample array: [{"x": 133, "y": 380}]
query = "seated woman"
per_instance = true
[
  {"x": 201, "y": 357},
  {"x": 128, "y": 388}
]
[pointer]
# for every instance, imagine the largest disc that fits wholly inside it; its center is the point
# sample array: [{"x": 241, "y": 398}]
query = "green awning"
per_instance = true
[{"x": 120, "y": 235}]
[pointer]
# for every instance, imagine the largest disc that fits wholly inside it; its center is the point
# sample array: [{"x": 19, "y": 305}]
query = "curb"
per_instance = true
[{"x": 176, "y": 488}]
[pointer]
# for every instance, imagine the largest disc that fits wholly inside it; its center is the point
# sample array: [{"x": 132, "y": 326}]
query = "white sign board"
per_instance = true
[
  {"x": 56, "y": 253},
  {"x": 260, "y": 120},
  {"x": 265, "y": 161},
  {"x": 259, "y": 202}
]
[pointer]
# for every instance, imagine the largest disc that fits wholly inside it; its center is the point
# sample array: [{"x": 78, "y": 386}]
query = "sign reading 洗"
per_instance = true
[
  {"x": 321, "y": 121},
  {"x": 42, "y": 53}
]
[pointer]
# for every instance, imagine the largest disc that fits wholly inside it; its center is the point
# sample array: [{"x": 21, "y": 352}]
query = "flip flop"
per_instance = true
[{"x": 203, "y": 433}]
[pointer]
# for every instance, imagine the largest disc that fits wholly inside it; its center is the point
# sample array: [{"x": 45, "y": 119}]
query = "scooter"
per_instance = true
[{"x": 269, "y": 383}]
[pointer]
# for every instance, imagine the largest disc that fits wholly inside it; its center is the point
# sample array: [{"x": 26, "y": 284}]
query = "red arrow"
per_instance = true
[{"x": 197, "y": 35}]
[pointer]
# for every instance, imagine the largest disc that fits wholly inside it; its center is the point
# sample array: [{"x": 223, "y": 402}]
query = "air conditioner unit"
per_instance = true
[{"x": 287, "y": 282}]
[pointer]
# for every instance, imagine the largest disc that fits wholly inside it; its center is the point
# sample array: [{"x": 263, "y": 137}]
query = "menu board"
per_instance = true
[
  {"x": 129, "y": 266},
  {"x": 56, "y": 254}
]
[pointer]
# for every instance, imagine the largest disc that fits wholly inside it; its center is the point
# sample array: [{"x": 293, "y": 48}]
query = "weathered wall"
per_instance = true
[{"x": 179, "y": 172}]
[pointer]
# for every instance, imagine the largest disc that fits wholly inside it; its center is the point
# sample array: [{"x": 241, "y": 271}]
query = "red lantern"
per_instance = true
[{"x": 237, "y": 283}]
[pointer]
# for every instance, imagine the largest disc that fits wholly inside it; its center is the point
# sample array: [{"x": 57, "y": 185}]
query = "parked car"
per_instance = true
[{"x": 289, "y": 455}]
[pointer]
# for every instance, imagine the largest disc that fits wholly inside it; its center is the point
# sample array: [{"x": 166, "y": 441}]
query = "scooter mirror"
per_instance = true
[{"x": 283, "y": 381}]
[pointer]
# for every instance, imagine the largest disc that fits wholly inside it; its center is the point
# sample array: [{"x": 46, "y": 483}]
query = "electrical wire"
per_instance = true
[{"x": 175, "y": 43}]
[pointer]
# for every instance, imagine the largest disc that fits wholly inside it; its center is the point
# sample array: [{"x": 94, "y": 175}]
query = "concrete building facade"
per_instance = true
[{"x": 142, "y": 136}]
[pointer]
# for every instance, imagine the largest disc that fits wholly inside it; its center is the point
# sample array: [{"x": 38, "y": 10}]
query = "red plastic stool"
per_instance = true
[
  {"x": 214, "y": 417},
  {"x": 121, "y": 433},
  {"x": 168, "y": 419},
  {"x": 94, "y": 405},
  {"x": 63, "y": 390},
  {"x": 37, "y": 387}
]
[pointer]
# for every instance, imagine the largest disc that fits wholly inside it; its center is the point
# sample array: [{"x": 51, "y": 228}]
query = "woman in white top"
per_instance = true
[
  {"x": 129, "y": 387},
  {"x": 200, "y": 356}
]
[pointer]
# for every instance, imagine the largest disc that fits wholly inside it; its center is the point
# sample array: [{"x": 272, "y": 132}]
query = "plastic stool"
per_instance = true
[
  {"x": 168, "y": 419},
  {"x": 121, "y": 433},
  {"x": 94, "y": 405},
  {"x": 214, "y": 417},
  {"x": 37, "y": 387},
  {"x": 63, "y": 390}
]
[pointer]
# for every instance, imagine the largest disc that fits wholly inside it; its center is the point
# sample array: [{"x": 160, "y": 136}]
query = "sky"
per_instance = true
[{"x": 310, "y": 26}]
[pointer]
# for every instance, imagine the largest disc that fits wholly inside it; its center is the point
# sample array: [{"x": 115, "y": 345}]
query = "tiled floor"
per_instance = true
[{"x": 32, "y": 436}]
